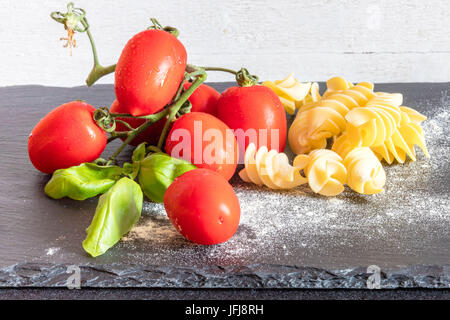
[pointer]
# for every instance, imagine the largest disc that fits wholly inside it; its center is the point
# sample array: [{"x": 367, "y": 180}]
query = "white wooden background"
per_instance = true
[{"x": 374, "y": 40}]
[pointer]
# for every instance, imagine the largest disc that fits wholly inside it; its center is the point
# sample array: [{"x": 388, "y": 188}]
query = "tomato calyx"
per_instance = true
[
  {"x": 185, "y": 108},
  {"x": 245, "y": 79},
  {"x": 157, "y": 26},
  {"x": 243, "y": 76},
  {"x": 104, "y": 120}
]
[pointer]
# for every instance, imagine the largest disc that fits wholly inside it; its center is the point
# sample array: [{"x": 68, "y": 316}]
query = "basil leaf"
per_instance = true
[
  {"x": 117, "y": 212},
  {"x": 139, "y": 152},
  {"x": 81, "y": 182},
  {"x": 131, "y": 170},
  {"x": 158, "y": 170}
]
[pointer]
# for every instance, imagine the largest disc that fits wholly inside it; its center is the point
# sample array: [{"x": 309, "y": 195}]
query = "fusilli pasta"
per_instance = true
[
  {"x": 270, "y": 168},
  {"x": 335, "y": 84},
  {"x": 312, "y": 97},
  {"x": 325, "y": 118},
  {"x": 290, "y": 91},
  {"x": 366, "y": 127},
  {"x": 365, "y": 174},
  {"x": 325, "y": 171},
  {"x": 389, "y": 129}
]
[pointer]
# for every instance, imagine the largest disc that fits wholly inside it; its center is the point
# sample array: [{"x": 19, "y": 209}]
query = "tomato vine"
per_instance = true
[{"x": 74, "y": 20}]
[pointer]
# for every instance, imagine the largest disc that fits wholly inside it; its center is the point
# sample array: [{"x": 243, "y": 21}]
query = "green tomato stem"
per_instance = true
[
  {"x": 85, "y": 24},
  {"x": 171, "y": 110},
  {"x": 219, "y": 69},
  {"x": 154, "y": 149},
  {"x": 127, "y": 115},
  {"x": 243, "y": 77},
  {"x": 200, "y": 75},
  {"x": 180, "y": 88},
  {"x": 133, "y": 133},
  {"x": 169, "y": 29},
  {"x": 98, "y": 70},
  {"x": 126, "y": 124}
]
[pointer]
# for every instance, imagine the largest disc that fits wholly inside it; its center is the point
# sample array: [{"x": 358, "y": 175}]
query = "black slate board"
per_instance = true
[{"x": 40, "y": 237}]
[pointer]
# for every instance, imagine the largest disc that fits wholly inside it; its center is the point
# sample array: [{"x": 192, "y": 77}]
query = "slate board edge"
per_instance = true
[{"x": 257, "y": 276}]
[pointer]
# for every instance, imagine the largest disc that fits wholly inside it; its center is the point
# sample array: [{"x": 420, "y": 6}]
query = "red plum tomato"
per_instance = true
[
  {"x": 256, "y": 110},
  {"x": 203, "y": 207},
  {"x": 66, "y": 137},
  {"x": 149, "y": 72},
  {"x": 205, "y": 141},
  {"x": 203, "y": 99}
]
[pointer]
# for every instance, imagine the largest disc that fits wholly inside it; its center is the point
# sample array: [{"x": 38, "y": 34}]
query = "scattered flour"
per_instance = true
[
  {"x": 305, "y": 225},
  {"x": 52, "y": 251}
]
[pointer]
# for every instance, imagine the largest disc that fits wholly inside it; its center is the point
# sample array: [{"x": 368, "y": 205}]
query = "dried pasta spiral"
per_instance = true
[
  {"x": 334, "y": 85},
  {"x": 376, "y": 122},
  {"x": 366, "y": 127},
  {"x": 270, "y": 168},
  {"x": 290, "y": 91},
  {"x": 310, "y": 99},
  {"x": 365, "y": 174},
  {"x": 326, "y": 118},
  {"x": 343, "y": 144},
  {"x": 325, "y": 171},
  {"x": 408, "y": 134},
  {"x": 389, "y": 129}
]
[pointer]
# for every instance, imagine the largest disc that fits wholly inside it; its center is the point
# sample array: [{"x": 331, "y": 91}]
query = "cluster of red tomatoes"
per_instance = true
[{"x": 200, "y": 203}]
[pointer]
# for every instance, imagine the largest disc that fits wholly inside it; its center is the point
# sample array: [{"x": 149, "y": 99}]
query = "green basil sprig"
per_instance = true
[
  {"x": 139, "y": 152},
  {"x": 117, "y": 212},
  {"x": 83, "y": 181},
  {"x": 132, "y": 169},
  {"x": 157, "y": 172}
]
